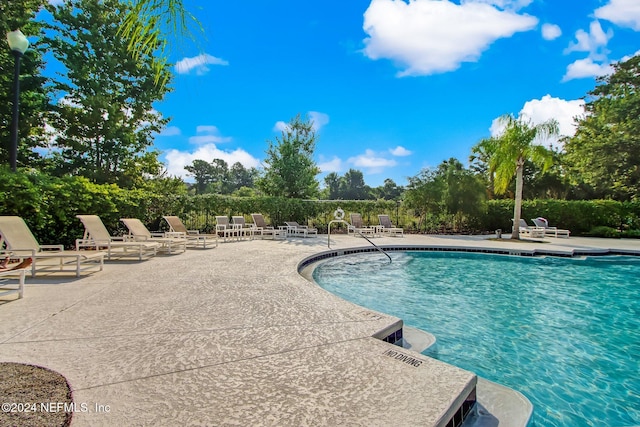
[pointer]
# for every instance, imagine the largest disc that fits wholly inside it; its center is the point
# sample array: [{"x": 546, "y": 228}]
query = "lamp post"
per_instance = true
[
  {"x": 397, "y": 212},
  {"x": 18, "y": 44}
]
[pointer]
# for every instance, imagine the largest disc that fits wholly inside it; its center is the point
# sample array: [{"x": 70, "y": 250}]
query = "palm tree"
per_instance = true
[
  {"x": 149, "y": 23},
  {"x": 510, "y": 149}
]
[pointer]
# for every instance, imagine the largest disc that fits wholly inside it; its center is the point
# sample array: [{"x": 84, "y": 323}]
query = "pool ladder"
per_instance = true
[{"x": 356, "y": 231}]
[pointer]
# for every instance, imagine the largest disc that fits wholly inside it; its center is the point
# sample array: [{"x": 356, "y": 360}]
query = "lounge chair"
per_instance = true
[
  {"x": 357, "y": 226},
  {"x": 18, "y": 242},
  {"x": 96, "y": 236},
  {"x": 225, "y": 229},
  {"x": 194, "y": 238},
  {"x": 550, "y": 231},
  {"x": 260, "y": 228},
  {"x": 20, "y": 270},
  {"x": 138, "y": 232},
  {"x": 526, "y": 230},
  {"x": 386, "y": 227},
  {"x": 295, "y": 229},
  {"x": 244, "y": 229}
]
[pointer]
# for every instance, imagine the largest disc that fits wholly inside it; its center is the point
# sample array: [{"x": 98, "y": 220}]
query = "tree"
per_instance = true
[
  {"x": 149, "y": 23},
  {"x": 203, "y": 172},
  {"x": 34, "y": 100},
  {"x": 290, "y": 170},
  {"x": 509, "y": 151},
  {"x": 352, "y": 186},
  {"x": 389, "y": 190},
  {"x": 604, "y": 153},
  {"x": 332, "y": 186},
  {"x": 105, "y": 119},
  {"x": 452, "y": 195},
  {"x": 240, "y": 177}
]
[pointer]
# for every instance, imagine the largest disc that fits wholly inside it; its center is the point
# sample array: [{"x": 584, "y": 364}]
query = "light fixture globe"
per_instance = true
[{"x": 17, "y": 41}]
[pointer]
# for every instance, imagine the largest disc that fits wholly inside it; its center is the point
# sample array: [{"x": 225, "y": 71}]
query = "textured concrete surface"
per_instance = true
[{"x": 235, "y": 336}]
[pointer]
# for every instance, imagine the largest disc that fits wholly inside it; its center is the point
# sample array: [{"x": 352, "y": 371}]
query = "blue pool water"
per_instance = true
[{"x": 564, "y": 332}]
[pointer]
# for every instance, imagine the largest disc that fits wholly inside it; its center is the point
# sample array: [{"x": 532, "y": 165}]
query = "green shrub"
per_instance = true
[{"x": 604, "y": 231}]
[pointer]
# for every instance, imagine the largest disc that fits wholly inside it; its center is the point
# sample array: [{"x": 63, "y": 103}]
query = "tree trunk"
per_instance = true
[{"x": 517, "y": 208}]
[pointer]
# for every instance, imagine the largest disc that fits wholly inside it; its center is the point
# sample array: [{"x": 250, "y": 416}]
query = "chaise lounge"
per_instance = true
[
  {"x": 96, "y": 236},
  {"x": 194, "y": 238},
  {"x": 550, "y": 231},
  {"x": 357, "y": 226},
  {"x": 260, "y": 228},
  {"x": 17, "y": 241},
  {"x": 386, "y": 227},
  {"x": 138, "y": 232}
]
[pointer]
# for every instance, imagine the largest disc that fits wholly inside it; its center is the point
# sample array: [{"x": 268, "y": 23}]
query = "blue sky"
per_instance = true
[{"x": 392, "y": 86}]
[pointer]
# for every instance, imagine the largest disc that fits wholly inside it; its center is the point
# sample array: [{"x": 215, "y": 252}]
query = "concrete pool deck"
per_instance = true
[{"x": 235, "y": 336}]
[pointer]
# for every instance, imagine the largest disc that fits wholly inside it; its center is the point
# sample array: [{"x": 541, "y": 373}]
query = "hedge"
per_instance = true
[{"x": 49, "y": 206}]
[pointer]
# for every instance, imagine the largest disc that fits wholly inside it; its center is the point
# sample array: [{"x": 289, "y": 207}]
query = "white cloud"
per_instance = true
[
  {"x": 211, "y": 136},
  {"x": 428, "y": 36},
  {"x": 400, "y": 151},
  {"x": 583, "y": 68},
  {"x": 170, "y": 131},
  {"x": 280, "y": 126},
  {"x": 594, "y": 42},
  {"x": 371, "y": 162},
  {"x": 317, "y": 119},
  {"x": 551, "y": 31},
  {"x": 547, "y": 108},
  {"x": 198, "y": 63},
  {"x": 333, "y": 165},
  {"x": 176, "y": 160},
  {"x": 503, "y": 4},
  {"x": 625, "y": 13}
]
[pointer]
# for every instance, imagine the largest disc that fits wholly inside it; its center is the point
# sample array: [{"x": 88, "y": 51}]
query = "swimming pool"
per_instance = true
[{"x": 564, "y": 332}]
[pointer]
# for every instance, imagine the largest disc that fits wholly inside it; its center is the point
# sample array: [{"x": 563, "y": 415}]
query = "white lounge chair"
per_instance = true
[
  {"x": 526, "y": 230},
  {"x": 550, "y": 231},
  {"x": 194, "y": 238},
  {"x": 96, "y": 236},
  {"x": 9, "y": 273},
  {"x": 386, "y": 227},
  {"x": 138, "y": 232},
  {"x": 241, "y": 226},
  {"x": 260, "y": 228},
  {"x": 17, "y": 241},
  {"x": 295, "y": 229},
  {"x": 357, "y": 226},
  {"x": 225, "y": 229}
]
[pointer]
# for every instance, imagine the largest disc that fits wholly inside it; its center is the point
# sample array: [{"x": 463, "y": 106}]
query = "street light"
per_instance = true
[{"x": 18, "y": 44}]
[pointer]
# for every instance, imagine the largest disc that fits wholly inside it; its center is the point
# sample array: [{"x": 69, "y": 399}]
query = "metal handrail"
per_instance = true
[{"x": 357, "y": 231}]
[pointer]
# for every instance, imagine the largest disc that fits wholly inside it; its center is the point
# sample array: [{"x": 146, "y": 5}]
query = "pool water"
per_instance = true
[{"x": 564, "y": 332}]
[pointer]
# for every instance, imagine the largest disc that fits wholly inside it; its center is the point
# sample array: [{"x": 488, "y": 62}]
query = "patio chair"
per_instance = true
[
  {"x": 194, "y": 238},
  {"x": 96, "y": 236},
  {"x": 386, "y": 227},
  {"x": 138, "y": 232},
  {"x": 225, "y": 229},
  {"x": 19, "y": 269},
  {"x": 295, "y": 229},
  {"x": 260, "y": 228},
  {"x": 357, "y": 226},
  {"x": 17, "y": 241},
  {"x": 550, "y": 231},
  {"x": 526, "y": 230},
  {"x": 241, "y": 226}
]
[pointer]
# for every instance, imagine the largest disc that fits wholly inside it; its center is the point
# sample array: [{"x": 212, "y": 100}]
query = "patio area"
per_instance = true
[{"x": 234, "y": 335}]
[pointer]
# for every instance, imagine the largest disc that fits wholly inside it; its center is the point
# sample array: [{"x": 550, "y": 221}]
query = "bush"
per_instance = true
[{"x": 604, "y": 231}]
